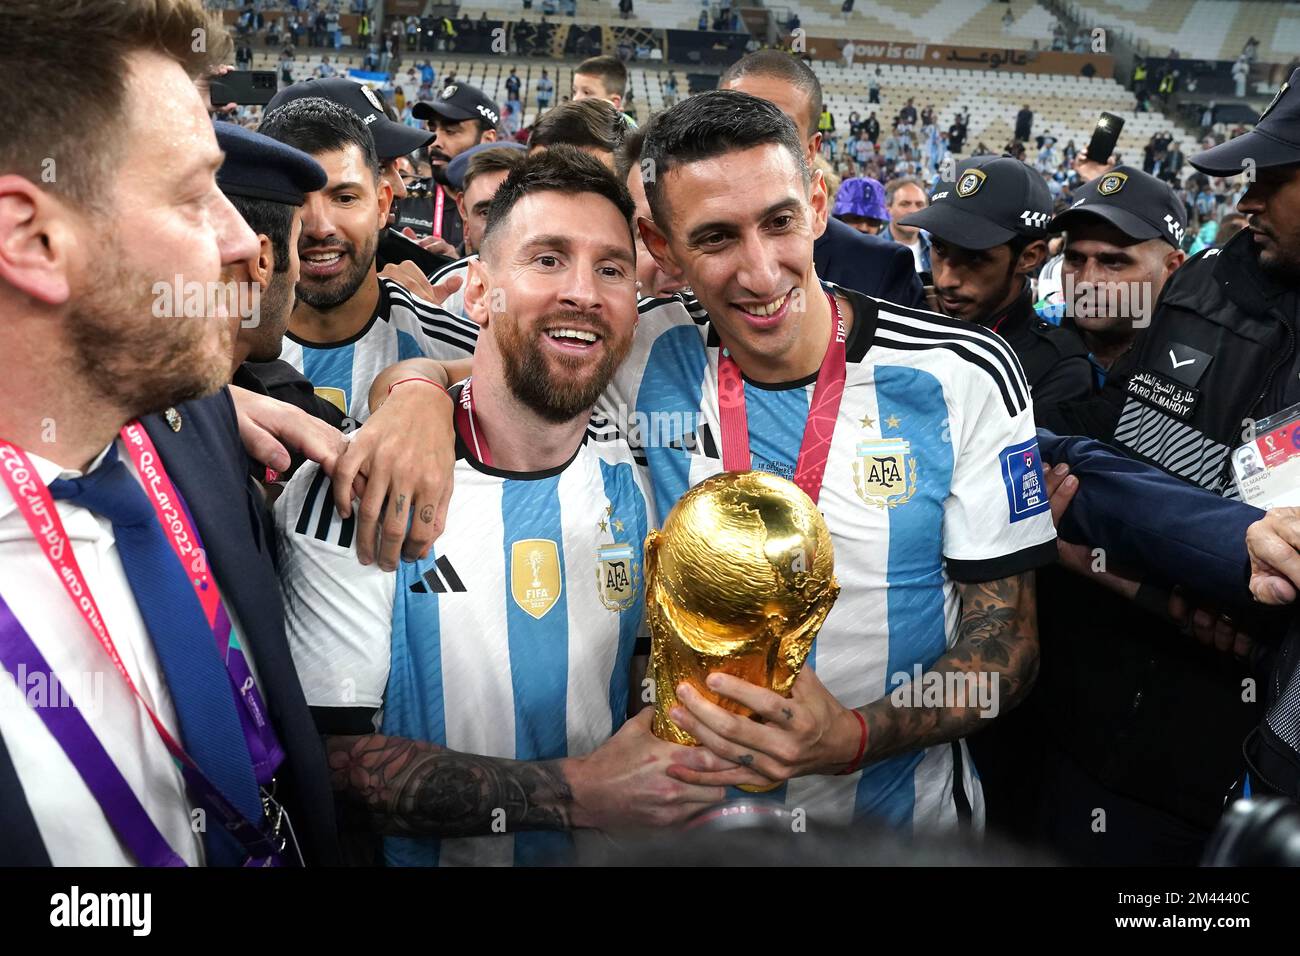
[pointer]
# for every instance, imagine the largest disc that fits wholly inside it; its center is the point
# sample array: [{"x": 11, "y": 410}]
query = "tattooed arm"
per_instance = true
[
  {"x": 413, "y": 788},
  {"x": 811, "y": 732},
  {"x": 997, "y": 640}
]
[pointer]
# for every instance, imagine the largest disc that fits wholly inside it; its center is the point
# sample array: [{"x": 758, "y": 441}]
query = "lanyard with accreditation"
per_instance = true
[
  {"x": 66, "y": 724},
  {"x": 823, "y": 409}
]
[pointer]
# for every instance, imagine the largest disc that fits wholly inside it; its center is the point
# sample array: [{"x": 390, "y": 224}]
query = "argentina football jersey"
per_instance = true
[
  {"x": 455, "y": 300},
  {"x": 933, "y": 476},
  {"x": 513, "y": 639},
  {"x": 402, "y": 327}
]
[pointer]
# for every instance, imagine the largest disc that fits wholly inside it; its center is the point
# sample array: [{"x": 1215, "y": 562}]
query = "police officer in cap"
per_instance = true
[
  {"x": 1220, "y": 355},
  {"x": 392, "y": 141},
  {"x": 460, "y": 116},
  {"x": 988, "y": 230},
  {"x": 1223, "y": 338},
  {"x": 1123, "y": 238}
]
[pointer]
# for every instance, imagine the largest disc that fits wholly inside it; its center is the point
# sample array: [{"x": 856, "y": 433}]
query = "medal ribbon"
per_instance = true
[{"x": 822, "y": 412}]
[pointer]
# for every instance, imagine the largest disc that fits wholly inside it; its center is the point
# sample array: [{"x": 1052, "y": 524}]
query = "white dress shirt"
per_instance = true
[{"x": 71, "y": 823}]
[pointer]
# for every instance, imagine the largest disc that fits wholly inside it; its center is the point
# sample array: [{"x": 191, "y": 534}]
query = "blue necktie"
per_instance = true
[{"x": 200, "y": 686}]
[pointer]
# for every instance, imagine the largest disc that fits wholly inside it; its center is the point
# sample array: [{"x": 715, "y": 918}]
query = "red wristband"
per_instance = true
[
  {"x": 417, "y": 378},
  {"x": 862, "y": 745}
]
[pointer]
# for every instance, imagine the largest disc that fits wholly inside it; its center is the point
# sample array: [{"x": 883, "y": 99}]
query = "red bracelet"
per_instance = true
[
  {"x": 862, "y": 745},
  {"x": 418, "y": 378}
]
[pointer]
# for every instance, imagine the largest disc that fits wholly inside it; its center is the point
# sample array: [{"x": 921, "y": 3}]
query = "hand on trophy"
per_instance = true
[
  {"x": 626, "y": 781},
  {"x": 808, "y": 732}
]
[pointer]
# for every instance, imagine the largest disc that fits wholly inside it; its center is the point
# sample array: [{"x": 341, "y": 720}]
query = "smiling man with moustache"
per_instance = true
[
  {"x": 932, "y": 450},
  {"x": 348, "y": 324}
]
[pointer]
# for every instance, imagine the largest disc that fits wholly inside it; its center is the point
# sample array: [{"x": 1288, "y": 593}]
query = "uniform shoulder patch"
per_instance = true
[{"x": 1022, "y": 473}]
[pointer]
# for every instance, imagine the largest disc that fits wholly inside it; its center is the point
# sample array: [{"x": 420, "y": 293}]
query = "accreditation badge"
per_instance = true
[{"x": 1267, "y": 468}]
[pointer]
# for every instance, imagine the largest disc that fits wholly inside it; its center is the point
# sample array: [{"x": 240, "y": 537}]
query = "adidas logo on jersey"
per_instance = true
[
  {"x": 439, "y": 583},
  {"x": 698, "y": 443}
]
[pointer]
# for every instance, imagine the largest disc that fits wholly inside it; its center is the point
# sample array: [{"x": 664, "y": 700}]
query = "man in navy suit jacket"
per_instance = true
[
  {"x": 88, "y": 350},
  {"x": 868, "y": 264}
]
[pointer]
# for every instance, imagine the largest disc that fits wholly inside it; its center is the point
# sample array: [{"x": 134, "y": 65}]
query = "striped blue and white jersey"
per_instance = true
[
  {"x": 513, "y": 639},
  {"x": 933, "y": 477},
  {"x": 455, "y": 302},
  {"x": 402, "y": 327}
]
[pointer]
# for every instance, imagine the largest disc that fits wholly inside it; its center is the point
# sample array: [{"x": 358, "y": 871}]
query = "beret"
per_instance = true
[{"x": 260, "y": 167}]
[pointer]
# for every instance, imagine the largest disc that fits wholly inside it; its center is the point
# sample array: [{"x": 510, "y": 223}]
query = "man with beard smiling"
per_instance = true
[
  {"x": 934, "y": 493},
  {"x": 468, "y": 701},
  {"x": 348, "y": 324}
]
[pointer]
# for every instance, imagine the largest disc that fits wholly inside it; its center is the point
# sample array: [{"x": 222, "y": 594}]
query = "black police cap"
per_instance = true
[
  {"x": 1275, "y": 140},
  {"x": 260, "y": 167},
  {"x": 1136, "y": 203},
  {"x": 391, "y": 139},
  {"x": 457, "y": 102},
  {"x": 992, "y": 200}
]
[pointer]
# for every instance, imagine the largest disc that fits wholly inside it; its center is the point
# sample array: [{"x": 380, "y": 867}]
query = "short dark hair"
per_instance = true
[
  {"x": 271, "y": 219},
  {"x": 610, "y": 69},
  {"x": 496, "y": 160},
  {"x": 711, "y": 124},
  {"x": 561, "y": 169},
  {"x": 629, "y": 154},
  {"x": 590, "y": 124},
  {"x": 316, "y": 125},
  {"x": 77, "y": 117},
  {"x": 781, "y": 66}
]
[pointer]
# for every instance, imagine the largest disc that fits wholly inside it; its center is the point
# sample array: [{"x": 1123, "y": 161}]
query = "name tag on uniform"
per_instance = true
[
  {"x": 1159, "y": 391},
  {"x": 1267, "y": 469}
]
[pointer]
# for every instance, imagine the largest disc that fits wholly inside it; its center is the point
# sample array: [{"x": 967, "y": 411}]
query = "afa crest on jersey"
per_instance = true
[
  {"x": 617, "y": 574},
  {"x": 535, "y": 579},
  {"x": 884, "y": 472}
]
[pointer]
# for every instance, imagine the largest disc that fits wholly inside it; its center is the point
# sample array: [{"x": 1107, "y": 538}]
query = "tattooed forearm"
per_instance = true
[
  {"x": 413, "y": 788},
  {"x": 997, "y": 646}
]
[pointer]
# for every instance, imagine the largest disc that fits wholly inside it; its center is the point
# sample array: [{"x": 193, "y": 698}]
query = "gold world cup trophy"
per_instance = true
[{"x": 739, "y": 580}]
